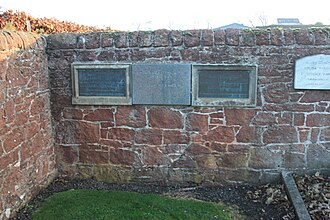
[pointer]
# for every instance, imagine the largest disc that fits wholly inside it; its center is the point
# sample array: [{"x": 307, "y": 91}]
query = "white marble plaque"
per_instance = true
[{"x": 313, "y": 72}]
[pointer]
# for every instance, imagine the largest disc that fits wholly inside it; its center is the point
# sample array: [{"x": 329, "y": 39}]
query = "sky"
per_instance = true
[{"x": 132, "y": 15}]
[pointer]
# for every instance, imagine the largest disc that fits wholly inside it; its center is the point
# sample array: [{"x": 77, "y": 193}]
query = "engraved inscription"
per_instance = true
[
  {"x": 223, "y": 84},
  {"x": 313, "y": 72},
  {"x": 102, "y": 82},
  {"x": 161, "y": 84}
]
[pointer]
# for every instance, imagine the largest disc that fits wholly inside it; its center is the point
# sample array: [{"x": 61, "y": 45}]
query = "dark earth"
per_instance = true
[{"x": 255, "y": 202}]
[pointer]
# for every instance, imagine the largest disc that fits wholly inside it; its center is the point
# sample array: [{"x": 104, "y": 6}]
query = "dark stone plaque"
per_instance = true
[
  {"x": 223, "y": 84},
  {"x": 102, "y": 82},
  {"x": 161, "y": 84}
]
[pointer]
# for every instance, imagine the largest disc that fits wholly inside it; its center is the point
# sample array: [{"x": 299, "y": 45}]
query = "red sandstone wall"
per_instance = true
[
  {"x": 27, "y": 160},
  {"x": 287, "y": 130}
]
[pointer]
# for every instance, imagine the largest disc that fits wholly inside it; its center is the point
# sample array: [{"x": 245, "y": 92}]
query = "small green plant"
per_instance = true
[
  {"x": 29, "y": 207},
  {"x": 93, "y": 204}
]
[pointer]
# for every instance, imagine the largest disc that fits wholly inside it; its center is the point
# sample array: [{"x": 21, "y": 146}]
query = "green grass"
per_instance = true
[{"x": 93, "y": 204}]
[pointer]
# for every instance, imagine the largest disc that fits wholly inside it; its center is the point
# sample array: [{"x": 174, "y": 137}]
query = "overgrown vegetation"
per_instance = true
[
  {"x": 20, "y": 21},
  {"x": 93, "y": 204}
]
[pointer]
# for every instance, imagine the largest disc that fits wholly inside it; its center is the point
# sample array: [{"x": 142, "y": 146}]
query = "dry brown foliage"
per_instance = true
[{"x": 21, "y": 21}]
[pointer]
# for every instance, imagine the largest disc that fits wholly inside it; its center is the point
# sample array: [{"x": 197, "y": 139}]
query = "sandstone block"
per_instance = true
[
  {"x": 325, "y": 134},
  {"x": 152, "y": 156},
  {"x": 238, "y": 116},
  {"x": 131, "y": 116},
  {"x": 232, "y": 37},
  {"x": 106, "y": 56},
  {"x": 304, "y": 37},
  {"x": 161, "y": 38},
  {"x": 276, "y": 93},
  {"x": 248, "y": 135},
  {"x": 73, "y": 113},
  {"x": 198, "y": 149},
  {"x": 299, "y": 119},
  {"x": 232, "y": 160},
  {"x": 219, "y": 37},
  {"x": 176, "y": 38},
  {"x": 320, "y": 152},
  {"x": 293, "y": 160},
  {"x": 217, "y": 147},
  {"x": 149, "y": 136},
  {"x": 263, "y": 158},
  {"x": 146, "y": 39},
  {"x": 38, "y": 105},
  {"x": 276, "y": 37},
  {"x": 67, "y": 154},
  {"x": 315, "y": 96},
  {"x": 92, "y": 40},
  {"x": 77, "y": 132},
  {"x": 220, "y": 134},
  {"x": 121, "y": 134},
  {"x": 197, "y": 122},
  {"x": 320, "y": 37},
  {"x": 191, "y": 38},
  {"x": 121, "y": 157},
  {"x": 99, "y": 115},
  {"x": 106, "y": 40},
  {"x": 190, "y": 54},
  {"x": 120, "y": 40},
  {"x": 206, "y": 162},
  {"x": 280, "y": 134},
  {"x": 175, "y": 137},
  {"x": 133, "y": 39},
  {"x": 8, "y": 159},
  {"x": 165, "y": 118},
  {"x": 207, "y": 37},
  {"x": 247, "y": 38},
  {"x": 62, "y": 41},
  {"x": 262, "y": 38},
  {"x": 92, "y": 154},
  {"x": 13, "y": 139},
  {"x": 318, "y": 120},
  {"x": 264, "y": 119},
  {"x": 185, "y": 162}
]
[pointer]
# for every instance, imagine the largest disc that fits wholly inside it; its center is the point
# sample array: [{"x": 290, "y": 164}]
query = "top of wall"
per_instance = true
[
  {"x": 191, "y": 38},
  {"x": 12, "y": 40}
]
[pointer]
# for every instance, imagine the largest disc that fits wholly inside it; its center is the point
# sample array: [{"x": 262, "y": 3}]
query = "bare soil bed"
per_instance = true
[{"x": 262, "y": 202}]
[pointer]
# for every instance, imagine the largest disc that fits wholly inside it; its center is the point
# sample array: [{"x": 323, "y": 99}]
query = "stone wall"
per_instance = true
[
  {"x": 27, "y": 159},
  {"x": 288, "y": 129}
]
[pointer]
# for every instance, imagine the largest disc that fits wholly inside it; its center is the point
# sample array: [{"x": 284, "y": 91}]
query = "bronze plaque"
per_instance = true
[
  {"x": 223, "y": 84},
  {"x": 102, "y": 82}
]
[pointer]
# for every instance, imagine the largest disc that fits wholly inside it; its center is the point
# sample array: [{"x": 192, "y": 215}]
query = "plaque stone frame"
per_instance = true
[
  {"x": 238, "y": 97},
  {"x": 104, "y": 97}
]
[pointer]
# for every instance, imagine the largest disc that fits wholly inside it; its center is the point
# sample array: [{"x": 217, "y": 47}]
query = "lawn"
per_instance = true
[{"x": 102, "y": 204}]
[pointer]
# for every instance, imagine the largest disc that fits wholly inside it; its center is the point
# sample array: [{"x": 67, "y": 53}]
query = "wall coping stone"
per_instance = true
[
  {"x": 16, "y": 40},
  {"x": 191, "y": 38}
]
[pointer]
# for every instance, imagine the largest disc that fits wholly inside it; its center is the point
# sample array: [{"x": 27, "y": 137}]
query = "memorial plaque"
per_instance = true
[
  {"x": 161, "y": 84},
  {"x": 224, "y": 85},
  {"x": 101, "y": 84},
  {"x": 313, "y": 72}
]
